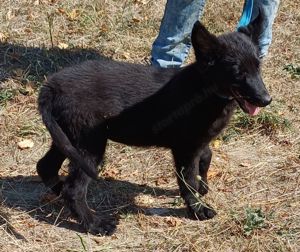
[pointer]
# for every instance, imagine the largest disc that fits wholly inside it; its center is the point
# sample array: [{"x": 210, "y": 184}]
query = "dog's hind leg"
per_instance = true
[
  {"x": 204, "y": 162},
  {"x": 187, "y": 167},
  {"x": 48, "y": 167},
  {"x": 75, "y": 188}
]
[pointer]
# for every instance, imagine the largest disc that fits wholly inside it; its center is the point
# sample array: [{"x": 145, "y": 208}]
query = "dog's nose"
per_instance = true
[{"x": 267, "y": 99}]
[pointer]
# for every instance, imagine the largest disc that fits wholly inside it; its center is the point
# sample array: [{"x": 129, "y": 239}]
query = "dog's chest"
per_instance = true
[{"x": 221, "y": 120}]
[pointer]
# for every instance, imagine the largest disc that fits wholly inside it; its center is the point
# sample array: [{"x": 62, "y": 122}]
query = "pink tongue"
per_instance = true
[{"x": 252, "y": 110}]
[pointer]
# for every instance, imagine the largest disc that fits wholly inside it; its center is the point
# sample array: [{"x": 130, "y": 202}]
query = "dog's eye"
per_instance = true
[
  {"x": 238, "y": 74},
  {"x": 235, "y": 69},
  {"x": 241, "y": 77}
]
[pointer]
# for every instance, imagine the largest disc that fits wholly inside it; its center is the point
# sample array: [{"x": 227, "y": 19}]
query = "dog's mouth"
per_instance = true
[
  {"x": 245, "y": 105},
  {"x": 249, "y": 108}
]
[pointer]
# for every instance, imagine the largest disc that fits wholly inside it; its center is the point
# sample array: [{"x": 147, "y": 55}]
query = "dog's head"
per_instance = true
[{"x": 232, "y": 62}]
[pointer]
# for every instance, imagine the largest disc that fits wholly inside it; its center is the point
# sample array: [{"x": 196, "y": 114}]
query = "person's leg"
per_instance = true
[
  {"x": 270, "y": 8},
  {"x": 172, "y": 45}
]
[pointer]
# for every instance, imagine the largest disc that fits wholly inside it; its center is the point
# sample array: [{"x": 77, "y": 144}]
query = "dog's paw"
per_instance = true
[
  {"x": 101, "y": 226},
  {"x": 203, "y": 189},
  {"x": 203, "y": 186},
  {"x": 200, "y": 211}
]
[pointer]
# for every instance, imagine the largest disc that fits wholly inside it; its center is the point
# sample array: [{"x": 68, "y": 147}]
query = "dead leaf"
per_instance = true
[
  {"x": 142, "y": 2},
  {"x": 3, "y": 37},
  {"x": 61, "y": 11},
  {"x": 161, "y": 181},
  {"x": 244, "y": 164},
  {"x": 104, "y": 28},
  {"x": 25, "y": 144},
  {"x": 10, "y": 15},
  {"x": 216, "y": 144},
  {"x": 136, "y": 19},
  {"x": 225, "y": 189},
  {"x": 28, "y": 90},
  {"x": 28, "y": 30},
  {"x": 30, "y": 224},
  {"x": 74, "y": 14},
  {"x": 285, "y": 143},
  {"x": 98, "y": 240},
  {"x": 213, "y": 174},
  {"x": 125, "y": 55},
  {"x": 172, "y": 221},
  {"x": 144, "y": 199},
  {"x": 62, "y": 45},
  {"x": 110, "y": 173},
  {"x": 30, "y": 17}
]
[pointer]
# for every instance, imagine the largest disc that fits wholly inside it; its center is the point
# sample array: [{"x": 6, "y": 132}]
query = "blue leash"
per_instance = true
[{"x": 247, "y": 13}]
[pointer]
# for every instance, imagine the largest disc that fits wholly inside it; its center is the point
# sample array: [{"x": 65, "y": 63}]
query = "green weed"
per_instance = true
[
  {"x": 32, "y": 128},
  {"x": 6, "y": 95},
  {"x": 255, "y": 219},
  {"x": 293, "y": 70},
  {"x": 267, "y": 122}
]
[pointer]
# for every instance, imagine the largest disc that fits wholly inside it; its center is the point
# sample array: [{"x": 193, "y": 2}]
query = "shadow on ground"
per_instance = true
[
  {"x": 110, "y": 198},
  {"x": 33, "y": 64}
]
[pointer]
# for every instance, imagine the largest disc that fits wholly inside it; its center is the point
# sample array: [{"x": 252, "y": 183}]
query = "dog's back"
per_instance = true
[{"x": 105, "y": 87}]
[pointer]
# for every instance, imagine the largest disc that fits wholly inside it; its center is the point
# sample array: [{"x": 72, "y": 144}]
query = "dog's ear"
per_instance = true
[
  {"x": 205, "y": 44},
  {"x": 255, "y": 27}
]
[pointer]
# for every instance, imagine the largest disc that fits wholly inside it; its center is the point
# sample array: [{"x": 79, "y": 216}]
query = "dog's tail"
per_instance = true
[{"x": 60, "y": 139}]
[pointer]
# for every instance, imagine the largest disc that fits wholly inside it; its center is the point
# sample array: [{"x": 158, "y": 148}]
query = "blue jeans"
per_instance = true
[{"x": 172, "y": 45}]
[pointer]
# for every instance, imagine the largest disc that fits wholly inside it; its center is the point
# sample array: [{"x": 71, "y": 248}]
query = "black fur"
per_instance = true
[{"x": 181, "y": 109}]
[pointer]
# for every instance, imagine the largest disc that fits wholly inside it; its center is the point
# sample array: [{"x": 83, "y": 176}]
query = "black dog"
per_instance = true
[{"x": 183, "y": 110}]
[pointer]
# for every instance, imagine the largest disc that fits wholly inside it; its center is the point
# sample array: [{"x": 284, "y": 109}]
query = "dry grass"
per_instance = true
[{"x": 255, "y": 173}]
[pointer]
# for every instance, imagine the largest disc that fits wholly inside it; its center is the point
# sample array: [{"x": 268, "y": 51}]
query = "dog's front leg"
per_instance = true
[
  {"x": 204, "y": 161},
  {"x": 187, "y": 167}
]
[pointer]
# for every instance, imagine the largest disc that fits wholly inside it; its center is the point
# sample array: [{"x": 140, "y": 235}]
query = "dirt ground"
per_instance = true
[{"x": 255, "y": 172}]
